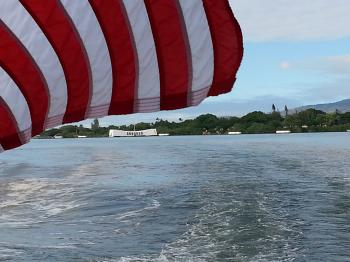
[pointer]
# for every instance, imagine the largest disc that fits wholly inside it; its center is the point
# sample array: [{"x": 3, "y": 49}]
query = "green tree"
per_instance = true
[
  {"x": 95, "y": 124},
  {"x": 208, "y": 121},
  {"x": 309, "y": 116},
  {"x": 255, "y": 117},
  {"x": 292, "y": 121}
]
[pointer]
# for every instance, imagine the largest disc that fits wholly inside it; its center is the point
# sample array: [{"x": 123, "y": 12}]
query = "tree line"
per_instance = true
[{"x": 257, "y": 122}]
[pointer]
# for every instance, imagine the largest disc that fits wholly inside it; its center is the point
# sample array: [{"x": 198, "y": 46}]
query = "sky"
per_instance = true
[{"x": 296, "y": 53}]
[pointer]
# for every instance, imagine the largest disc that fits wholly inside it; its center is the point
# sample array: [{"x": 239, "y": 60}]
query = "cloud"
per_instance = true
[
  {"x": 296, "y": 20},
  {"x": 329, "y": 66},
  {"x": 328, "y": 91},
  {"x": 333, "y": 74},
  {"x": 285, "y": 65},
  {"x": 337, "y": 68},
  {"x": 338, "y": 65}
]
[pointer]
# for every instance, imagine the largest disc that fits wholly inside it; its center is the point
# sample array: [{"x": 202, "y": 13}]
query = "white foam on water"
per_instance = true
[
  {"x": 61, "y": 246},
  {"x": 131, "y": 214},
  {"x": 216, "y": 227},
  {"x": 30, "y": 201},
  {"x": 57, "y": 208},
  {"x": 161, "y": 258},
  {"x": 93, "y": 168},
  {"x": 20, "y": 191},
  {"x": 9, "y": 254},
  {"x": 84, "y": 170}
]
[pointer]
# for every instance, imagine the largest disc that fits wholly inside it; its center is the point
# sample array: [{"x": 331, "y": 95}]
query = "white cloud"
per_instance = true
[
  {"x": 333, "y": 73},
  {"x": 285, "y": 65},
  {"x": 326, "y": 91},
  {"x": 293, "y": 20},
  {"x": 330, "y": 66},
  {"x": 338, "y": 65}
]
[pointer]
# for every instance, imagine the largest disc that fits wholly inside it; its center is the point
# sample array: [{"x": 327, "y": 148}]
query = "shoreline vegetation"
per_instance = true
[{"x": 257, "y": 122}]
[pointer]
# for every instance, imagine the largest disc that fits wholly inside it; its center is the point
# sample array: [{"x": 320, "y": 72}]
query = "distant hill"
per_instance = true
[{"x": 342, "y": 106}]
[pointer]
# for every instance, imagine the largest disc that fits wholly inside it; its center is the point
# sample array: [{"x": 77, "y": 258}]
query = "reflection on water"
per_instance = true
[{"x": 242, "y": 198}]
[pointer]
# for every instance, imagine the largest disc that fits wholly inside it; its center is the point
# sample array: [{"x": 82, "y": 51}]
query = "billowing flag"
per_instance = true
[{"x": 62, "y": 61}]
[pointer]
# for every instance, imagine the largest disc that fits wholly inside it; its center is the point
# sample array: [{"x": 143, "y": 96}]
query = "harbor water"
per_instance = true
[{"x": 194, "y": 198}]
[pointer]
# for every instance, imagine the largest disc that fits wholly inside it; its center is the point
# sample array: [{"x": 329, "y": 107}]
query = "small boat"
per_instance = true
[
  {"x": 283, "y": 132},
  {"x": 165, "y": 134},
  {"x": 234, "y": 133}
]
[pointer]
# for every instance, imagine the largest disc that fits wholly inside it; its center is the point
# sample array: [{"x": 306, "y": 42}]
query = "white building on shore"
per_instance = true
[{"x": 121, "y": 133}]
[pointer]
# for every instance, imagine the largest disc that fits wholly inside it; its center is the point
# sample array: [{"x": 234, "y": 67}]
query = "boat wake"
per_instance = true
[{"x": 131, "y": 214}]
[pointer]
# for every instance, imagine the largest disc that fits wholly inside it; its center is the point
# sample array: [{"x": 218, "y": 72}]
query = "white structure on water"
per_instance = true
[
  {"x": 283, "y": 132},
  {"x": 234, "y": 133},
  {"x": 121, "y": 133}
]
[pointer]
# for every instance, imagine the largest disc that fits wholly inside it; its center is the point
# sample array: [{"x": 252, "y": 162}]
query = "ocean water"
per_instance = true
[{"x": 215, "y": 198}]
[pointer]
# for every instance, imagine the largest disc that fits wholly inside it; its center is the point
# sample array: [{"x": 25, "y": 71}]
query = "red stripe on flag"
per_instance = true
[
  {"x": 21, "y": 67},
  {"x": 57, "y": 26},
  {"x": 115, "y": 25},
  {"x": 227, "y": 42},
  {"x": 188, "y": 51},
  {"x": 171, "y": 52},
  {"x": 9, "y": 133}
]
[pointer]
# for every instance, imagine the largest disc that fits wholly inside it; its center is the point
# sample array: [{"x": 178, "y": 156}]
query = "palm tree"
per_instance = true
[
  {"x": 95, "y": 124},
  {"x": 273, "y": 108}
]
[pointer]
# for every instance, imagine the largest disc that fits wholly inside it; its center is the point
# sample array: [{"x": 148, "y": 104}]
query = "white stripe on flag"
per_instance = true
[
  {"x": 95, "y": 44},
  {"x": 20, "y": 22},
  {"x": 16, "y": 102},
  {"x": 148, "y": 79},
  {"x": 201, "y": 46}
]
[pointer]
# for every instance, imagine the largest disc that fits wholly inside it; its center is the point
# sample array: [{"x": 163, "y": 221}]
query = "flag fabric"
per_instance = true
[{"x": 63, "y": 61}]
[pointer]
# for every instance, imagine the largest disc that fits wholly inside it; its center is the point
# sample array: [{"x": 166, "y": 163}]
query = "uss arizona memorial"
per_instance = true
[{"x": 121, "y": 133}]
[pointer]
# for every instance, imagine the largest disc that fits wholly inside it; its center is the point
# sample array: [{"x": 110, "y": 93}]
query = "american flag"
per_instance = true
[{"x": 63, "y": 61}]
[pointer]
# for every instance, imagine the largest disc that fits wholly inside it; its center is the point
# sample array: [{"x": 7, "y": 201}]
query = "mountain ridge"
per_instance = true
[{"x": 342, "y": 106}]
